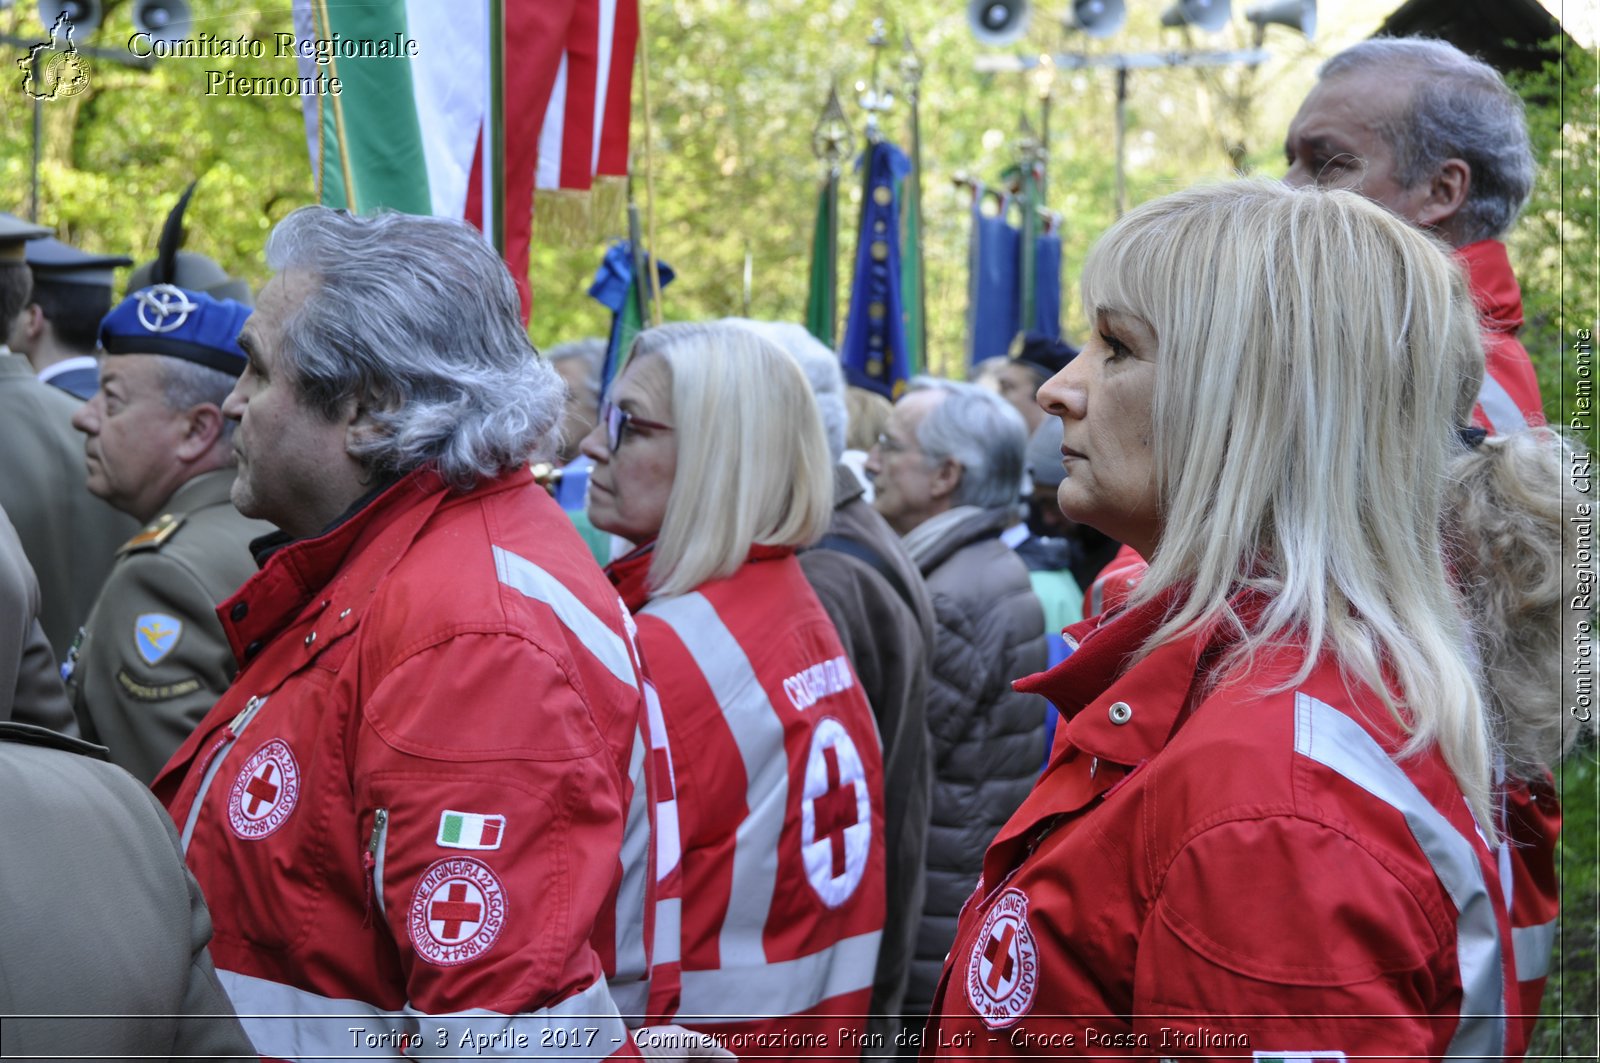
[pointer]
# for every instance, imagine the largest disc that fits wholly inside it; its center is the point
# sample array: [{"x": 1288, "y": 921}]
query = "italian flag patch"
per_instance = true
[{"x": 470, "y": 830}]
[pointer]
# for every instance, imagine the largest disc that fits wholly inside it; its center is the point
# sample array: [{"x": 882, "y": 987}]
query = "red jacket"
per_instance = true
[
  {"x": 1231, "y": 872},
  {"x": 1115, "y": 583},
  {"x": 1509, "y": 399},
  {"x": 778, "y": 777},
  {"x": 1531, "y": 825},
  {"x": 411, "y": 801}
]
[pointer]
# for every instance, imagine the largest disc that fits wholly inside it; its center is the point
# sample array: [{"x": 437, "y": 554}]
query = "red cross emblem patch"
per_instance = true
[
  {"x": 266, "y": 791},
  {"x": 1003, "y": 972},
  {"x": 457, "y": 911},
  {"x": 835, "y": 814}
]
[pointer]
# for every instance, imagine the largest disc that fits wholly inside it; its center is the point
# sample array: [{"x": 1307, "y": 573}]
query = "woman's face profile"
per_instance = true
[
  {"x": 629, "y": 485},
  {"x": 1104, "y": 398}
]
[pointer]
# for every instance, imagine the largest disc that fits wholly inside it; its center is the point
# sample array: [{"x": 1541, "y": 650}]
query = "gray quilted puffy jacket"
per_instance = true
[{"x": 988, "y": 740}]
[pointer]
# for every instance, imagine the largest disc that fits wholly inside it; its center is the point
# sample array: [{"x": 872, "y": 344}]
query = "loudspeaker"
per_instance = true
[
  {"x": 163, "y": 20},
  {"x": 1296, "y": 14},
  {"x": 1097, "y": 18},
  {"x": 1209, "y": 15},
  {"x": 85, "y": 15},
  {"x": 998, "y": 22}
]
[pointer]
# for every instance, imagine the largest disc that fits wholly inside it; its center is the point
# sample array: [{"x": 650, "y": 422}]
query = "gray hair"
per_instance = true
[
  {"x": 416, "y": 320},
  {"x": 186, "y": 384},
  {"x": 983, "y": 433},
  {"x": 1459, "y": 108},
  {"x": 821, "y": 367},
  {"x": 592, "y": 351}
]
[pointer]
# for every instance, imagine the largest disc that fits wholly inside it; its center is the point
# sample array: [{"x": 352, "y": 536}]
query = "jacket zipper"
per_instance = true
[
  {"x": 372, "y": 859},
  {"x": 230, "y": 735}
]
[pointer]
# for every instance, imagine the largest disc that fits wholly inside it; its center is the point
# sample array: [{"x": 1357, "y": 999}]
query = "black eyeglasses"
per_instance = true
[{"x": 617, "y": 421}]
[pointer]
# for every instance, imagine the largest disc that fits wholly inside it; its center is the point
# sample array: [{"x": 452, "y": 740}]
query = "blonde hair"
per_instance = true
[
  {"x": 1311, "y": 352},
  {"x": 869, "y": 417},
  {"x": 1513, "y": 529},
  {"x": 753, "y": 465}
]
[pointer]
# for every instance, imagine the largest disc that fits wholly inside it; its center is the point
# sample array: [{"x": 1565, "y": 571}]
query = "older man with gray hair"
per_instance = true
[
  {"x": 948, "y": 471},
  {"x": 410, "y": 808},
  {"x": 1434, "y": 135}
]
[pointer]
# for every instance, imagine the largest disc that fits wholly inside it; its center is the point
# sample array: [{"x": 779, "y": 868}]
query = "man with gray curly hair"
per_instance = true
[
  {"x": 409, "y": 810},
  {"x": 1434, "y": 135}
]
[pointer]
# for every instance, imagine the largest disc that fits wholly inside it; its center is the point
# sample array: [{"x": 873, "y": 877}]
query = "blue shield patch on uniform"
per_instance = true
[{"x": 155, "y": 634}]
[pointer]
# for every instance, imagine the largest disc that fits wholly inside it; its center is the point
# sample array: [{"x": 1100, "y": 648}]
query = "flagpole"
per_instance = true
[
  {"x": 911, "y": 71},
  {"x": 656, "y": 317},
  {"x": 830, "y": 143},
  {"x": 1027, "y": 163},
  {"x": 640, "y": 264},
  {"x": 494, "y": 141},
  {"x": 338, "y": 118}
]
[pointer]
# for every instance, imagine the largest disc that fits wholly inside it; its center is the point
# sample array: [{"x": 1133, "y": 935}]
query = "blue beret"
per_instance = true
[
  {"x": 61, "y": 263},
  {"x": 176, "y": 322}
]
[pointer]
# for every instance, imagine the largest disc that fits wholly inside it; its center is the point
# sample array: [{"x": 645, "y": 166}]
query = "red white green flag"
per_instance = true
[
  {"x": 470, "y": 830},
  {"x": 416, "y": 131}
]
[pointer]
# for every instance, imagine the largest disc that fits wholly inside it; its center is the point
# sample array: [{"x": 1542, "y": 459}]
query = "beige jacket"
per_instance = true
[
  {"x": 152, "y": 659},
  {"x": 69, "y": 535}
]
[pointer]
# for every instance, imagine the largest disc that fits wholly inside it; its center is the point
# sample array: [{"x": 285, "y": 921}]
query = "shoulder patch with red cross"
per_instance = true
[
  {"x": 1003, "y": 971},
  {"x": 265, "y": 792},
  {"x": 457, "y": 911}
]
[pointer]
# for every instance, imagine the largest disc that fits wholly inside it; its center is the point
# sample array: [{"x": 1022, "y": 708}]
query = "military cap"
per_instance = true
[
  {"x": 57, "y": 263},
  {"x": 179, "y": 323},
  {"x": 14, "y": 235},
  {"x": 192, "y": 270},
  {"x": 1045, "y": 354}
]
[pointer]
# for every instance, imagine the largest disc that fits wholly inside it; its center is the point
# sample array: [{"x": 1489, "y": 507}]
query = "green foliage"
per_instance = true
[
  {"x": 1554, "y": 245},
  {"x": 736, "y": 90},
  {"x": 1566, "y": 1029},
  {"x": 115, "y": 158}
]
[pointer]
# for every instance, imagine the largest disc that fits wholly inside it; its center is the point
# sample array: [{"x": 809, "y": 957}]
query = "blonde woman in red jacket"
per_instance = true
[
  {"x": 710, "y": 455},
  {"x": 1268, "y": 827}
]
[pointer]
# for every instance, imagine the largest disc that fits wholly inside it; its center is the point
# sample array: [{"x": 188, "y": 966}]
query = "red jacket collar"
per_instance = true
[
  {"x": 1152, "y": 699},
  {"x": 1097, "y": 675},
  {"x": 1495, "y": 291},
  {"x": 630, "y": 573},
  {"x": 300, "y": 573}
]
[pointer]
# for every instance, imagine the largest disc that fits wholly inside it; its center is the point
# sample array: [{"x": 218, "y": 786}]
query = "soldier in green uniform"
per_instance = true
[
  {"x": 69, "y": 536},
  {"x": 153, "y": 658}
]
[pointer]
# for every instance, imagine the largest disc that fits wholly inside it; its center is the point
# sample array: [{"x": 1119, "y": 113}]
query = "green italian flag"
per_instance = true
[{"x": 470, "y": 830}]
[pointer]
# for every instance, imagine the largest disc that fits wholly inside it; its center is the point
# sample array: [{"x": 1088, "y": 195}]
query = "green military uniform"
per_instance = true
[
  {"x": 103, "y": 943},
  {"x": 30, "y": 684},
  {"x": 69, "y": 535},
  {"x": 153, "y": 658}
]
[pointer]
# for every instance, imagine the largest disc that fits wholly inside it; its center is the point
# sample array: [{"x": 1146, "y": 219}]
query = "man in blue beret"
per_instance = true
[
  {"x": 57, "y": 329},
  {"x": 152, "y": 658}
]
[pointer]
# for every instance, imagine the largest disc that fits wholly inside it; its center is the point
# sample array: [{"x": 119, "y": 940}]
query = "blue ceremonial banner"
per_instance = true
[
  {"x": 1047, "y": 285},
  {"x": 613, "y": 288},
  {"x": 874, "y": 353},
  {"x": 994, "y": 296}
]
